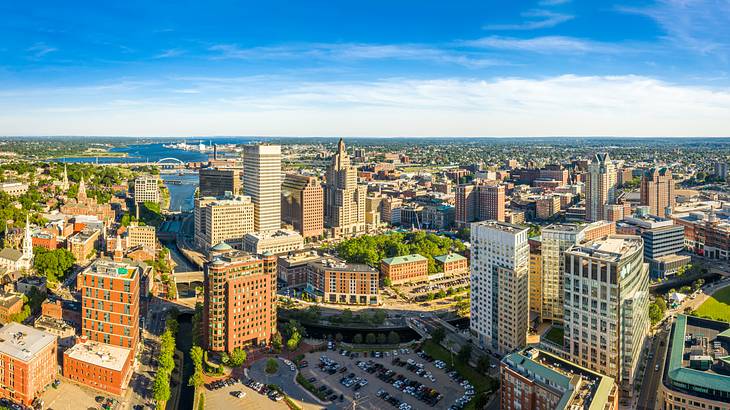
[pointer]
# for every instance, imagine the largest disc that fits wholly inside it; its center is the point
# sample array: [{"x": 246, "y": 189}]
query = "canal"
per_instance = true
[{"x": 184, "y": 342}]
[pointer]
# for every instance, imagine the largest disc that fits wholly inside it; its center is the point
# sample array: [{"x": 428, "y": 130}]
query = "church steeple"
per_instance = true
[
  {"x": 118, "y": 252},
  {"x": 82, "y": 191},
  {"x": 27, "y": 241}
]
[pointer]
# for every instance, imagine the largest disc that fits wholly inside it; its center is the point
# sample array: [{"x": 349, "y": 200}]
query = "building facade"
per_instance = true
[
  {"x": 28, "y": 362},
  {"x": 332, "y": 280},
  {"x": 274, "y": 242},
  {"x": 657, "y": 191},
  {"x": 147, "y": 189},
  {"x": 606, "y": 306},
  {"x": 556, "y": 239},
  {"x": 302, "y": 205},
  {"x": 262, "y": 182},
  {"x": 223, "y": 219},
  {"x": 499, "y": 285},
  {"x": 344, "y": 197},
  {"x": 216, "y": 182},
  {"x": 600, "y": 186},
  {"x": 404, "y": 269},
  {"x": 480, "y": 201},
  {"x": 239, "y": 306}
]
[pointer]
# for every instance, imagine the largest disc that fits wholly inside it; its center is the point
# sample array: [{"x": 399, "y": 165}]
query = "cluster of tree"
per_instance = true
[
  {"x": 346, "y": 317},
  {"x": 294, "y": 332},
  {"x": 441, "y": 294},
  {"x": 31, "y": 304},
  {"x": 632, "y": 184},
  {"x": 150, "y": 213},
  {"x": 272, "y": 365},
  {"x": 371, "y": 250},
  {"x": 161, "y": 385},
  {"x": 198, "y": 324},
  {"x": 55, "y": 264},
  {"x": 235, "y": 359},
  {"x": 464, "y": 354},
  {"x": 12, "y": 215},
  {"x": 196, "y": 356},
  {"x": 463, "y": 306},
  {"x": 381, "y": 338},
  {"x": 657, "y": 308}
]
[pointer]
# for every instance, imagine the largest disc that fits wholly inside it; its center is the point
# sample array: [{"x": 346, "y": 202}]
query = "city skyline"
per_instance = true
[{"x": 650, "y": 68}]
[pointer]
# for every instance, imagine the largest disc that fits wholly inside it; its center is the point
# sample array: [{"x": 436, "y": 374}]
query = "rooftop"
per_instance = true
[
  {"x": 612, "y": 248},
  {"x": 450, "y": 257},
  {"x": 277, "y": 234},
  {"x": 111, "y": 268},
  {"x": 99, "y": 354},
  {"x": 578, "y": 387},
  {"x": 502, "y": 226},
  {"x": 23, "y": 342},
  {"x": 397, "y": 260},
  {"x": 332, "y": 263}
]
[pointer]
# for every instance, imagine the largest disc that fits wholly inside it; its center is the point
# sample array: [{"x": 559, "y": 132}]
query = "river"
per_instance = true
[{"x": 182, "y": 191}]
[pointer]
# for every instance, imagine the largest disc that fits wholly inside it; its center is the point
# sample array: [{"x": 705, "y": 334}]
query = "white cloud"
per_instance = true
[
  {"x": 39, "y": 50},
  {"x": 553, "y": 2},
  {"x": 174, "y": 52},
  {"x": 544, "y": 44},
  {"x": 563, "y": 105},
  {"x": 534, "y": 19}
]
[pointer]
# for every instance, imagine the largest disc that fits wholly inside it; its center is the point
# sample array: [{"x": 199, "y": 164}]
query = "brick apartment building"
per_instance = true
[
  {"x": 28, "y": 362},
  {"x": 403, "y": 269}
]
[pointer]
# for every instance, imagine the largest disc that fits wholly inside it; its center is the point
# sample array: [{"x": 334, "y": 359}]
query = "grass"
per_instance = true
[
  {"x": 311, "y": 387},
  {"x": 717, "y": 306},
  {"x": 555, "y": 335},
  {"x": 480, "y": 382}
]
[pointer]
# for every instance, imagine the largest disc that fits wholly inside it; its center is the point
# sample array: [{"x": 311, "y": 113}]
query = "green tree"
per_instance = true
[
  {"x": 379, "y": 316},
  {"x": 293, "y": 341},
  {"x": 393, "y": 338},
  {"x": 483, "y": 364},
  {"x": 272, "y": 366},
  {"x": 387, "y": 282},
  {"x": 382, "y": 338},
  {"x": 464, "y": 353},
  {"x": 238, "y": 357},
  {"x": 55, "y": 264},
  {"x": 276, "y": 342},
  {"x": 438, "y": 334},
  {"x": 357, "y": 339},
  {"x": 338, "y": 337},
  {"x": 161, "y": 389},
  {"x": 370, "y": 338}
]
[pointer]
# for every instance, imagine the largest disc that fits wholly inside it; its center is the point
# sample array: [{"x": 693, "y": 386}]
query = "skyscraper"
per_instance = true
[
  {"x": 302, "y": 204},
  {"x": 556, "y": 239},
  {"x": 262, "y": 182},
  {"x": 657, "y": 191},
  {"x": 499, "y": 285},
  {"x": 600, "y": 186},
  {"x": 218, "y": 181},
  {"x": 223, "y": 219},
  {"x": 607, "y": 306},
  {"x": 344, "y": 197},
  {"x": 480, "y": 201}
]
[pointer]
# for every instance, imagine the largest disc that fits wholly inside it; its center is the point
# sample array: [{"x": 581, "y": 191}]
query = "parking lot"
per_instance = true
[
  {"x": 223, "y": 398},
  {"x": 70, "y": 396},
  {"x": 400, "y": 379}
]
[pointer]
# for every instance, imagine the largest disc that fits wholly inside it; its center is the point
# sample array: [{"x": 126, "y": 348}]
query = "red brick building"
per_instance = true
[
  {"x": 240, "y": 300},
  {"x": 403, "y": 269},
  {"x": 331, "y": 280},
  {"x": 452, "y": 264},
  {"x": 28, "y": 362},
  {"x": 101, "y": 366}
]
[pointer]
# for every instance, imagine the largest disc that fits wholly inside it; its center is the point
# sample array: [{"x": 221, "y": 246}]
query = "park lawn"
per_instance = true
[
  {"x": 478, "y": 380},
  {"x": 717, "y": 306}
]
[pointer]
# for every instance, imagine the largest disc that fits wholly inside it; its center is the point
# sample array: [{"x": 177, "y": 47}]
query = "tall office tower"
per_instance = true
[
  {"x": 535, "y": 278},
  {"x": 262, "y": 182},
  {"x": 480, "y": 201},
  {"x": 721, "y": 169},
  {"x": 147, "y": 189},
  {"x": 302, "y": 204},
  {"x": 556, "y": 239},
  {"x": 218, "y": 181},
  {"x": 600, "y": 186},
  {"x": 499, "y": 285},
  {"x": 607, "y": 306},
  {"x": 657, "y": 191},
  {"x": 239, "y": 300},
  {"x": 223, "y": 219},
  {"x": 344, "y": 198}
]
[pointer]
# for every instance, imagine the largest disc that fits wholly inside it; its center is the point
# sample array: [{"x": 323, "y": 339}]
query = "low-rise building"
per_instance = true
[
  {"x": 28, "y": 362},
  {"x": 532, "y": 379},
  {"x": 102, "y": 366},
  {"x": 452, "y": 264},
  {"x": 83, "y": 245},
  {"x": 332, "y": 280},
  {"x": 11, "y": 303},
  {"x": 13, "y": 188},
  {"x": 292, "y": 268},
  {"x": 26, "y": 284},
  {"x": 403, "y": 269},
  {"x": 275, "y": 242},
  {"x": 698, "y": 361},
  {"x": 147, "y": 189}
]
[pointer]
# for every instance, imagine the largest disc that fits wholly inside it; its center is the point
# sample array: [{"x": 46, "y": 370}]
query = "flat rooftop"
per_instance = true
[
  {"x": 502, "y": 226},
  {"x": 332, "y": 263},
  {"x": 612, "y": 248},
  {"x": 23, "y": 342},
  {"x": 110, "y": 268},
  {"x": 99, "y": 354}
]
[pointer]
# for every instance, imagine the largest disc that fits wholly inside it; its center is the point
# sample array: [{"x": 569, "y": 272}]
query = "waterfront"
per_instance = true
[{"x": 182, "y": 194}]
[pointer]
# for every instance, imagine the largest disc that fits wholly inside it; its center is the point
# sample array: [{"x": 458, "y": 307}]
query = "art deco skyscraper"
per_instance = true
[
  {"x": 344, "y": 198},
  {"x": 262, "y": 182},
  {"x": 657, "y": 191},
  {"x": 600, "y": 186}
]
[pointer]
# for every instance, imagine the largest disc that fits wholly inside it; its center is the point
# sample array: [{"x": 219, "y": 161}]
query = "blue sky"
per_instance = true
[{"x": 463, "y": 68}]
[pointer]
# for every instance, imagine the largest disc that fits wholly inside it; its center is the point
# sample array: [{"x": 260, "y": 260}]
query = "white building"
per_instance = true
[
  {"x": 147, "y": 189},
  {"x": 555, "y": 240},
  {"x": 276, "y": 242},
  {"x": 14, "y": 260},
  {"x": 499, "y": 285},
  {"x": 262, "y": 182},
  {"x": 607, "y": 306}
]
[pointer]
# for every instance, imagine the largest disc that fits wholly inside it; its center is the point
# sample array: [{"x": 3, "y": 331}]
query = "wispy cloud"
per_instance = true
[
  {"x": 545, "y": 44},
  {"x": 173, "y": 52},
  {"x": 351, "y": 52},
  {"x": 40, "y": 49},
  {"x": 553, "y": 2},
  {"x": 534, "y": 19},
  {"x": 702, "y": 26}
]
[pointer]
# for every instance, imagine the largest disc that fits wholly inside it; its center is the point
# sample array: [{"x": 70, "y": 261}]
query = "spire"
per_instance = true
[
  {"x": 82, "y": 191},
  {"x": 341, "y": 146},
  {"x": 28, "y": 240},
  {"x": 118, "y": 251}
]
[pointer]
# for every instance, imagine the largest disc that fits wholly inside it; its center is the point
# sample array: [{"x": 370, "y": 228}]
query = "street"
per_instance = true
[{"x": 652, "y": 377}]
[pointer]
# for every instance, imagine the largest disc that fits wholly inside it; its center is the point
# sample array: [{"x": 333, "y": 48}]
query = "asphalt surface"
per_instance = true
[{"x": 652, "y": 377}]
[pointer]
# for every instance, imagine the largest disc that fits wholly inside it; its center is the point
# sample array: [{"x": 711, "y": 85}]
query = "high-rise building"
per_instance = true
[
  {"x": 600, "y": 186},
  {"x": 344, "y": 197},
  {"x": 218, "y": 181},
  {"x": 657, "y": 191},
  {"x": 262, "y": 182},
  {"x": 532, "y": 379},
  {"x": 147, "y": 189},
  {"x": 480, "y": 201},
  {"x": 535, "y": 278},
  {"x": 239, "y": 301},
  {"x": 556, "y": 239},
  {"x": 607, "y": 306},
  {"x": 302, "y": 204},
  {"x": 110, "y": 292},
  {"x": 28, "y": 362},
  {"x": 223, "y": 219},
  {"x": 499, "y": 285}
]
